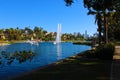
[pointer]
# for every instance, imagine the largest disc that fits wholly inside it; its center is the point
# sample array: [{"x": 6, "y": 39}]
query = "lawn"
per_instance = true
[{"x": 73, "y": 68}]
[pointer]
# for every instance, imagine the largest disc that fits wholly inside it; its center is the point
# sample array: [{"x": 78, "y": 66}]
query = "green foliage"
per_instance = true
[
  {"x": 68, "y": 2},
  {"x": 105, "y": 51},
  {"x": 71, "y": 37},
  {"x": 106, "y": 14},
  {"x": 90, "y": 54},
  {"x": 83, "y": 43},
  {"x": 37, "y": 33}
]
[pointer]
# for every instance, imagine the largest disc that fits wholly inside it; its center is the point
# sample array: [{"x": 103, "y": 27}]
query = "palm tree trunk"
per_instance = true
[
  {"x": 100, "y": 36},
  {"x": 105, "y": 29}
]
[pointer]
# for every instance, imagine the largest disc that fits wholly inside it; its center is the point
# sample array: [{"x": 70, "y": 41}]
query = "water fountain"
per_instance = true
[
  {"x": 58, "y": 42},
  {"x": 58, "y": 37}
]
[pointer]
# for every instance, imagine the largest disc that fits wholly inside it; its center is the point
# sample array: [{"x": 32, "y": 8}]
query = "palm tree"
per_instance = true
[
  {"x": 102, "y": 6},
  {"x": 99, "y": 22}
]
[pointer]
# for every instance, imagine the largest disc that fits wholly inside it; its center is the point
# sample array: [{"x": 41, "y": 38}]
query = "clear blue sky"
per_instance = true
[{"x": 46, "y": 14}]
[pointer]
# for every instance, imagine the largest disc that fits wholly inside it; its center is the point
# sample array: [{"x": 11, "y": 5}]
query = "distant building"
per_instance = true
[
  {"x": 75, "y": 34},
  {"x": 2, "y": 36},
  {"x": 86, "y": 36}
]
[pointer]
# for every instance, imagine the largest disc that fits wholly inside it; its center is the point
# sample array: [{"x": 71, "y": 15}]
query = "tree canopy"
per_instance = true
[
  {"x": 38, "y": 33},
  {"x": 106, "y": 15}
]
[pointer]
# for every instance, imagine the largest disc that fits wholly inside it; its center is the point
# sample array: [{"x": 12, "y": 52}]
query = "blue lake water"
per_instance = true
[{"x": 45, "y": 53}]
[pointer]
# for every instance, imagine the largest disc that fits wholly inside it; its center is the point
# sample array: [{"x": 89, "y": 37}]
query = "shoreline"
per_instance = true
[
  {"x": 4, "y": 44},
  {"x": 74, "y": 65},
  {"x": 46, "y": 66}
]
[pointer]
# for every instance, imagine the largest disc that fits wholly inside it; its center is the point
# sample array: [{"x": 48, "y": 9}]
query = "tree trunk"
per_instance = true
[
  {"x": 105, "y": 29},
  {"x": 100, "y": 36}
]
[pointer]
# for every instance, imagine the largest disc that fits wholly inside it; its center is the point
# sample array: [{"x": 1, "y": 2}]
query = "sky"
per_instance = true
[{"x": 46, "y": 14}]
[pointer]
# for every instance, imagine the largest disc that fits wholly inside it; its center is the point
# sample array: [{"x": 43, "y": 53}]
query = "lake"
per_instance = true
[{"x": 16, "y": 58}]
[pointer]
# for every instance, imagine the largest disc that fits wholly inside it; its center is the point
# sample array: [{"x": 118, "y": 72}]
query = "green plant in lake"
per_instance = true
[{"x": 20, "y": 56}]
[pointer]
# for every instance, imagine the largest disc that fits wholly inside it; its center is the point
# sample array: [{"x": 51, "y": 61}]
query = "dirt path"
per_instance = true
[{"x": 115, "y": 68}]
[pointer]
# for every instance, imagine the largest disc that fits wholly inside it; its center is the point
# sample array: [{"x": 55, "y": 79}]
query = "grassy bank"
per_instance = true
[
  {"x": 73, "y": 68},
  {"x": 10, "y": 42},
  {"x": 4, "y": 43}
]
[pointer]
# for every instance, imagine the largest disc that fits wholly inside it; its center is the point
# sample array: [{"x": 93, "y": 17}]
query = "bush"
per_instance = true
[
  {"x": 105, "y": 51},
  {"x": 90, "y": 54}
]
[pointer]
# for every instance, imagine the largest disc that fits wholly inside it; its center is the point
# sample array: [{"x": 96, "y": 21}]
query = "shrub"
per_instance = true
[
  {"x": 90, "y": 54},
  {"x": 105, "y": 51}
]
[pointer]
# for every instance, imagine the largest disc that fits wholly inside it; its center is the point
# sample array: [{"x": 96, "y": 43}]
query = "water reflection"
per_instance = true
[
  {"x": 3, "y": 47},
  {"x": 59, "y": 49}
]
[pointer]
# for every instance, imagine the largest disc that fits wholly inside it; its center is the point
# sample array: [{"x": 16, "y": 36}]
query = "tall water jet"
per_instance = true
[
  {"x": 58, "y": 36},
  {"x": 58, "y": 41}
]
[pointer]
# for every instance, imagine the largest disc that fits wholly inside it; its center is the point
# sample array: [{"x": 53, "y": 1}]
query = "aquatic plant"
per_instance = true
[{"x": 20, "y": 56}]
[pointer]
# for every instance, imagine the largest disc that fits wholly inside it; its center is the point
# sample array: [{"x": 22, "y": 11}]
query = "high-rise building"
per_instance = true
[{"x": 86, "y": 36}]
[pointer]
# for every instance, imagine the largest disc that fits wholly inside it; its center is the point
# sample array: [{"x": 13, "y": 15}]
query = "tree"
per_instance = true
[
  {"x": 1, "y": 31},
  {"x": 28, "y": 30},
  {"x": 18, "y": 33},
  {"x": 2, "y": 36},
  {"x": 104, "y": 7},
  {"x": 68, "y": 2},
  {"x": 36, "y": 31},
  {"x": 99, "y": 22},
  {"x": 79, "y": 37}
]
